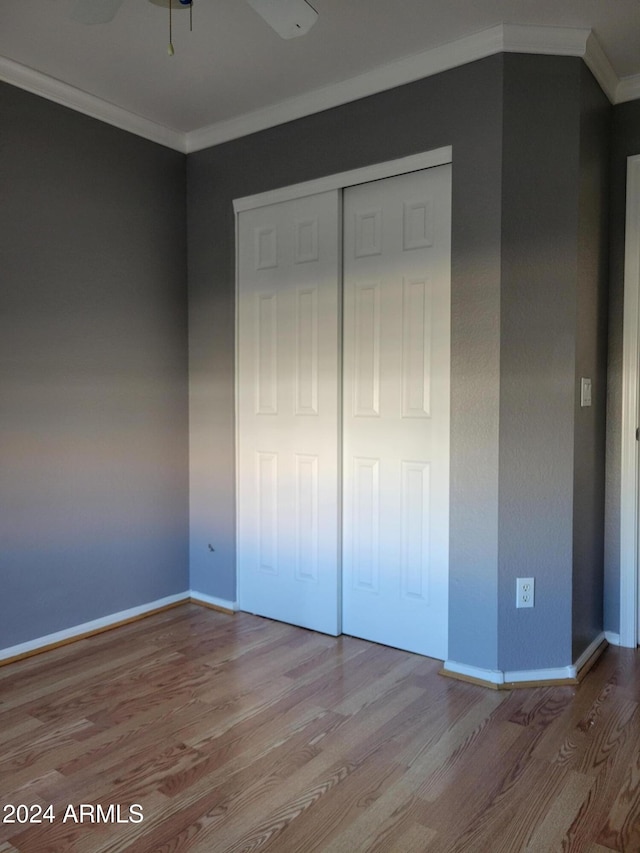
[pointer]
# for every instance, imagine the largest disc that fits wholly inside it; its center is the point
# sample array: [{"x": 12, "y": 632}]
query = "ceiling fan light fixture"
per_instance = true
[
  {"x": 289, "y": 18},
  {"x": 171, "y": 5},
  {"x": 177, "y": 4},
  {"x": 95, "y": 11}
]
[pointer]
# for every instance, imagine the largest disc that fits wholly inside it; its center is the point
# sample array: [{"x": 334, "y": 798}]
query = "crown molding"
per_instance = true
[
  {"x": 76, "y": 99},
  {"x": 405, "y": 70},
  {"x": 510, "y": 38},
  {"x": 598, "y": 63},
  {"x": 550, "y": 41},
  {"x": 628, "y": 89}
]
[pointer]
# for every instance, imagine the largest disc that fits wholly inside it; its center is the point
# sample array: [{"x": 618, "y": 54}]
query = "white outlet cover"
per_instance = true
[
  {"x": 289, "y": 18},
  {"x": 525, "y": 591}
]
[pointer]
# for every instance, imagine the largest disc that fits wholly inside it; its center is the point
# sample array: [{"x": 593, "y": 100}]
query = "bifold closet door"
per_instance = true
[
  {"x": 396, "y": 410},
  {"x": 288, "y": 410}
]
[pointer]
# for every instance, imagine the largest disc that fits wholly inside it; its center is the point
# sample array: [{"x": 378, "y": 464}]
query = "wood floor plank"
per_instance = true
[
  {"x": 621, "y": 830},
  {"x": 584, "y": 707},
  {"x": 356, "y": 788},
  {"x": 242, "y": 745},
  {"x": 235, "y": 733},
  {"x": 78, "y": 834},
  {"x": 12, "y": 729},
  {"x": 393, "y": 816},
  {"x": 372, "y": 691},
  {"x": 140, "y": 683},
  {"x": 63, "y": 676},
  {"x": 427, "y": 748},
  {"x": 327, "y": 656},
  {"x": 625, "y": 675},
  {"x": 416, "y": 839},
  {"x": 320, "y": 759},
  {"x": 483, "y": 749},
  {"x": 537, "y": 707},
  {"x": 145, "y": 730},
  {"x": 26, "y": 797},
  {"x": 528, "y": 788},
  {"x": 554, "y": 826},
  {"x": 397, "y": 809},
  {"x": 218, "y": 808},
  {"x": 606, "y": 784},
  {"x": 606, "y": 736},
  {"x": 508, "y": 817}
]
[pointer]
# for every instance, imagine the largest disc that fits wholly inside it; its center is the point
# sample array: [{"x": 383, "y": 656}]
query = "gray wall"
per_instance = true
[
  {"x": 591, "y": 361},
  {"x": 463, "y": 108},
  {"x": 539, "y": 274},
  {"x": 553, "y": 331},
  {"x": 93, "y": 370},
  {"x": 625, "y": 142}
]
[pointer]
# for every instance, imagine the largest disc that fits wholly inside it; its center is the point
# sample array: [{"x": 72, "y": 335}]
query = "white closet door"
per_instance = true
[
  {"x": 396, "y": 410},
  {"x": 288, "y": 409}
]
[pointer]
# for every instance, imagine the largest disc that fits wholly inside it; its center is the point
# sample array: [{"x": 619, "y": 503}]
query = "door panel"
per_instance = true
[
  {"x": 396, "y": 410},
  {"x": 390, "y": 444},
  {"x": 288, "y": 404}
]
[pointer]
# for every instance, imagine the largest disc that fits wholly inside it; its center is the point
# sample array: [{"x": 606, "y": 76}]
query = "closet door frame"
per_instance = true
[{"x": 339, "y": 181}]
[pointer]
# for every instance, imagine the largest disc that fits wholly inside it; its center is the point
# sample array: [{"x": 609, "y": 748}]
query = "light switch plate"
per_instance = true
[{"x": 585, "y": 392}]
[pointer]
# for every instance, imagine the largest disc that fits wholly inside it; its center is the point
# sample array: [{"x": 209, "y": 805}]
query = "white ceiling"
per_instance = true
[{"x": 233, "y": 70}]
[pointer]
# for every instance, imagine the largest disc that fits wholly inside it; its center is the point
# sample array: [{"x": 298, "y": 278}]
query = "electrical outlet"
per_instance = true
[{"x": 524, "y": 592}]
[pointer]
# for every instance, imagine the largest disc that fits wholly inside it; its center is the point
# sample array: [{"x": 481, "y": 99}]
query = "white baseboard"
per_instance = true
[
  {"x": 477, "y": 673},
  {"x": 488, "y": 676},
  {"x": 113, "y": 619},
  {"x": 201, "y": 598},
  {"x": 499, "y": 677},
  {"x": 60, "y": 637},
  {"x": 593, "y": 646},
  {"x": 558, "y": 673}
]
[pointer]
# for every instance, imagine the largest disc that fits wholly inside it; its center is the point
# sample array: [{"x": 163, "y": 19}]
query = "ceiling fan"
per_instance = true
[{"x": 289, "y": 18}]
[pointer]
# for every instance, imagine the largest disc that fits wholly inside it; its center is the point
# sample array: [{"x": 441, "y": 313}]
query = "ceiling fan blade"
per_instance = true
[
  {"x": 289, "y": 18},
  {"x": 95, "y": 11}
]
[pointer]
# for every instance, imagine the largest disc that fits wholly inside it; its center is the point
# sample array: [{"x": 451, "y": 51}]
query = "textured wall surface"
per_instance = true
[
  {"x": 553, "y": 332},
  {"x": 93, "y": 370},
  {"x": 537, "y": 355},
  {"x": 591, "y": 361}
]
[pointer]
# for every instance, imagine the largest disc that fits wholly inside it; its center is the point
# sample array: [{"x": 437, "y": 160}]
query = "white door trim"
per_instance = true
[
  {"x": 630, "y": 421},
  {"x": 389, "y": 169}
]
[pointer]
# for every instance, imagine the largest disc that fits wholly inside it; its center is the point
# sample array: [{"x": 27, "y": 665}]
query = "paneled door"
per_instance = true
[
  {"x": 288, "y": 410},
  {"x": 396, "y": 410}
]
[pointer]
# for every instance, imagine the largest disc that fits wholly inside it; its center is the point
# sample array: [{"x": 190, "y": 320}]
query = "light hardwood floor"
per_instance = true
[{"x": 234, "y": 734}]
